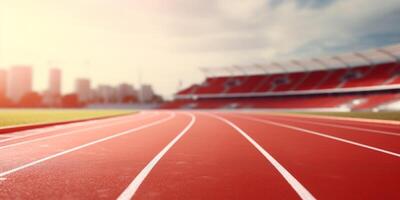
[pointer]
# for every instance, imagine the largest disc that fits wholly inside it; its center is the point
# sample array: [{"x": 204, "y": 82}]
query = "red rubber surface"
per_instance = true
[{"x": 212, "y": 160}]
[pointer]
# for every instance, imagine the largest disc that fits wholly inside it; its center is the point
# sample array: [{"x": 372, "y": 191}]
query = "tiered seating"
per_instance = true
[
  {"x": 372, "y": 76},
  {"x": 255, "y": 85},
  {"x": 297, "y": 102},
  {"x": 363, "y": 76},
  {"x": 334, "y": 79},
  {"x": 312, "y": 80},
  {"x": 372, "y": 101},
  {"x": 293, "y": 80},
  {"x": 395, "y": 80},
  {"x": 268, "y": 82},
  {"x": 368, "y": 102},
  {"x": 276, "y": 102},
  {"x": 248, "y": 85},
  {"x": 395, "y": 75},
  {"x": 212, "y": 86},
  {"x": 234, "y": 82},
  {"x": 189, "y": 90}
]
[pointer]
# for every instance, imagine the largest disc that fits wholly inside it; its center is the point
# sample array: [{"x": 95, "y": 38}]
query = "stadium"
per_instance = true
[
  {"x": 358, "y": 81},
  {"x": 200, "y": 100}
]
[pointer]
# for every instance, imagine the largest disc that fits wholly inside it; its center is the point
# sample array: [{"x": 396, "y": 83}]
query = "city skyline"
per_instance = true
[{"x": 16, "y": 90}]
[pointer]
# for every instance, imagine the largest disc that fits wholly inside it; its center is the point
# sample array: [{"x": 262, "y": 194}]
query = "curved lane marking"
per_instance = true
[
  {"x": 5, "y": 173},
  {"x": 293, "y": 182},
  {"x": 130, "y": 191}
]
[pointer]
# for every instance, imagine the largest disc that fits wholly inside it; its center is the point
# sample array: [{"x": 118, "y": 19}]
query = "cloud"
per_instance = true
[{"x": 288, "y": 27}]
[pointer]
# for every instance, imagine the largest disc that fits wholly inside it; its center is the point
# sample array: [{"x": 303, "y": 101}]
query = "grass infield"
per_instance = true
[{"x": 15, "y": 117}]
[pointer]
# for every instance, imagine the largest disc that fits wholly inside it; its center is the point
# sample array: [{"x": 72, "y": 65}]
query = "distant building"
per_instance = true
[
  {"x": 126, "y": 92},
  {"x": 106, "y": 94},
  {"x": 55, "y": 82},
  {"x": 3, "y": 83},
  {"x": 52, "y": 97},
  {"x": 83, "y": 90},
  {"x": 19, "y": 82},
  {"x": 146, "y": 93}
]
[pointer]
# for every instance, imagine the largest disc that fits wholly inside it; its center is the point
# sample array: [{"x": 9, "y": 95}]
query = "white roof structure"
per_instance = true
[{"x": 361, "y": 58}]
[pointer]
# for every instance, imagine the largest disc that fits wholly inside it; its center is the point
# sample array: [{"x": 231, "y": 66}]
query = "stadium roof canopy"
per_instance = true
[{"x": 361, "y": 58}]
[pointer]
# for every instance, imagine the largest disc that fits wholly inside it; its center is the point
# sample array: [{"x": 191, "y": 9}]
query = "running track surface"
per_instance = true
[{"x": 203, "y": 155}]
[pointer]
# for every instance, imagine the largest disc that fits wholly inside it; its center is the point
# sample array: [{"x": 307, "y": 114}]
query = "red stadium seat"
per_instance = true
[
  {"x": 248, "y": 84},
  {"x": 384, "y": 74},
  {"x": 363, "y": 76}
]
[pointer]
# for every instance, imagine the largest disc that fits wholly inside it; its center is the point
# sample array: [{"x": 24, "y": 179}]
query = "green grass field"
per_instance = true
[
  {"x": 366, "y": 115},
  {"x": 13, "y": 117}
]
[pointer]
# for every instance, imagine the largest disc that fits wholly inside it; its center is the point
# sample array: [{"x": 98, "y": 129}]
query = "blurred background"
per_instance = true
[{"x": 290, "y": 54}]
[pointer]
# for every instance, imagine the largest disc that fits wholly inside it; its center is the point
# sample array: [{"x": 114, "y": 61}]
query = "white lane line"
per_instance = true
[
  {"x": 344, "y": 126},
  {"x": 378, "y": 122},
  {"x": 320, "y": 134},
  {"x": 130, "y": 191},
  {"x": 29, "y": 133},
  {"x": 8, "y": 172},
  {"x": 71, "y": 132},
  {"x": 293, "y": 182}
]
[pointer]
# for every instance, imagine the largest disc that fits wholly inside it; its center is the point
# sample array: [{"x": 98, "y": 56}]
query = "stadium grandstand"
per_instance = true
[{"x": 367, "y": 80}]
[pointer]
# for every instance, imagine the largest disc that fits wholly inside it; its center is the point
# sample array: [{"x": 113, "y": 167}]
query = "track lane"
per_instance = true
[
  {"x": 61, "y": 129},
  {"x": 16, "y": 156},
  {"x": 130, "y": 191},
  {"x": 330, "y": 169},
  {"x": 80, "y": 130},
  {"x": 382, "y": 141},
  {"x": 345, "y": 122},
  {"x": 213, "y": 161},
  {"x": 99, "y": 171},
  {"x": 339, "y": 125}
]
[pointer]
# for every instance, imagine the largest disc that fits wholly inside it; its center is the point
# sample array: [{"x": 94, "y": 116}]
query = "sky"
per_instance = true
[{"x": 164, "y": 42}]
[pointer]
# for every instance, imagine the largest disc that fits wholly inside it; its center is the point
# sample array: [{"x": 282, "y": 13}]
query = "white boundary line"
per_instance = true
[
  {"x": 71, "y": 132},
  {"x": 379, "y": 122},
  {"x": 130, "y": 191},
  {"x": 344, "y": 126},
  {"x": 320, "y": 134},
  {"x": 45, "y": 130},
  {"x": 8, "y": 172},
  {"x": 293, "y": 182}
]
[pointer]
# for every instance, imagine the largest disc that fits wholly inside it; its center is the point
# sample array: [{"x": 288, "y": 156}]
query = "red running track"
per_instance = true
[{"x": 203, "y": 155}]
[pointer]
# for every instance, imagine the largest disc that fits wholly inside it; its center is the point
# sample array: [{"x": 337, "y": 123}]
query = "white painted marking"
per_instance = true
[
  {"x": 345, "y": 126},
  {"x": 69, "y": 132},
  {"x": 5, "y": 173},
  {"x": 293, "y": 182},
  {"x": 24, "y": 134},
  {"x": 321, "y": 134},
  {"x": 130, "y": 191},
  {"x": 378, "y": 122}
]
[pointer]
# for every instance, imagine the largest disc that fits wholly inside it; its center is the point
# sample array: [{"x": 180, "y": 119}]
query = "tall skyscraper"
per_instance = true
[
  {"x": 52, "y": 97},
  {"x": 83, "y": 90},
  {"x": 55, "y": 82},
  {"x": 19, "y": 82},
  {"x": 3, "y": 82}
]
